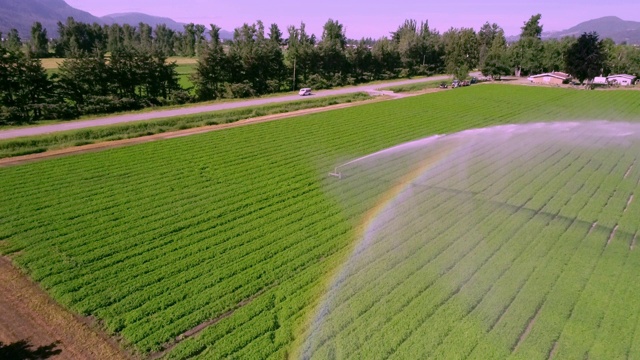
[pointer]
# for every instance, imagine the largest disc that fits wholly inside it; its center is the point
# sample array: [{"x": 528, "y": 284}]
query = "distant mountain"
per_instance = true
[
  {"x": 135, "y": 18},
  {"x": 607, "y": 27},
  {"x": 21, "y": 14}
]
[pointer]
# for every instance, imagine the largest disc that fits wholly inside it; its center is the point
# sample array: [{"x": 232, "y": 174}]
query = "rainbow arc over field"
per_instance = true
[{"x": 368, "y": 226}]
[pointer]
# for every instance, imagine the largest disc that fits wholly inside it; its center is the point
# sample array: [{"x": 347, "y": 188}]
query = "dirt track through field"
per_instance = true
[{"x": 28, "y": 314}]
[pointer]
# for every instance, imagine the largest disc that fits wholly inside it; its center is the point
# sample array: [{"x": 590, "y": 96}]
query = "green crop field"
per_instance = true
[
  {"x": 243, "y": 231},
  {"x": 184, "y": 72}
]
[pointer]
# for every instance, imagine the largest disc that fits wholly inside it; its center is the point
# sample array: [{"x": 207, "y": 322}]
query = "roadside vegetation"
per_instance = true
[
  {"x": 415, "y": 87},
  {"x": 42, "y": 143}
]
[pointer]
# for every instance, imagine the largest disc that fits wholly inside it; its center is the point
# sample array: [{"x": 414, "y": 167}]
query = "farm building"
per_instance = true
[
  {"x": 555, "y": 78},
  {"x": 600, "y": 80},
  {"x": 621, "y": 79}
]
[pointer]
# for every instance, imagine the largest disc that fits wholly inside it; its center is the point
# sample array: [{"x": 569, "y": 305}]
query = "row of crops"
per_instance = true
[{"x": 242, "y": 226}]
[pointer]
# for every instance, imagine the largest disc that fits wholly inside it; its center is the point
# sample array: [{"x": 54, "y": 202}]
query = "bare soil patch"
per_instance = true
[{"x": 28, "y": 314}]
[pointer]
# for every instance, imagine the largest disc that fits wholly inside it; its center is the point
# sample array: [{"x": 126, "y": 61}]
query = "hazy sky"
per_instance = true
[{"x": 372, "y": 18}]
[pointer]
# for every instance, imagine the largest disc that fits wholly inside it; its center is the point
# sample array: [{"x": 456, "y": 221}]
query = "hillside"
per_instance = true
[
  {"x": 135, "y": 18},
  {"x": 607, "y": 27},
  {"x": 22, "y": 14}
]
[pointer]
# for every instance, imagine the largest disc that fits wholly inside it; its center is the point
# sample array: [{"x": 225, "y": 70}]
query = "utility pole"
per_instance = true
[{"x": 294, "y": 74}]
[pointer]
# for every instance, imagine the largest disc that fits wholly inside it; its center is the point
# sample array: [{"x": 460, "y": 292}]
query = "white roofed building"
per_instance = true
[{"x": 621, "y": 79}]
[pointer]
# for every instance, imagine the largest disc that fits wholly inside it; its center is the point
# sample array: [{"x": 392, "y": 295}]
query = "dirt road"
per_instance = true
[{"x": 118, "y": 119}]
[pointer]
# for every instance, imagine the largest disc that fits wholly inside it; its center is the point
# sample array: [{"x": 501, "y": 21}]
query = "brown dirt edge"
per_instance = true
[
  {"x": 526, "y": 332},
  {"x": 628, "y": 203},
  {"x": 198, "y": 329},
  {"x": 28, "y": 313},
  {"x": 18, "y": 160},
  {"x": 553, "y": 351},
  {"x": 612, "y": 235}
]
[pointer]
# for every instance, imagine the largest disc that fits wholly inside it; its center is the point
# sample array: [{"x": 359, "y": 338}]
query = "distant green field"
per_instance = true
[
  {"x": 184, "y": 75},
  {"x": 244, "y": 229}
]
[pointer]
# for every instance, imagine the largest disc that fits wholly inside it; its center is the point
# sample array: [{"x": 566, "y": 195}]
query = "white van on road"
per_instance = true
[{"x": 304, "y": 92}]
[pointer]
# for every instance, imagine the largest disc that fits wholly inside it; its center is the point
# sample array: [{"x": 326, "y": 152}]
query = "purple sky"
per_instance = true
[{"x": 372, "y": 18}]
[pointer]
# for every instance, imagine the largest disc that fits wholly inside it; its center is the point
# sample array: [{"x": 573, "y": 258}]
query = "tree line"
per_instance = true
[{"x": 121, "y": 67}]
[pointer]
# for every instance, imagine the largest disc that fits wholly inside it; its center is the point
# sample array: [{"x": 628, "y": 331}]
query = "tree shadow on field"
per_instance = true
[{"x": 23, "y": 350}]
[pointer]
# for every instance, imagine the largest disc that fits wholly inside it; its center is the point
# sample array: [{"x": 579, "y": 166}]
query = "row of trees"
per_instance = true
[
  {"x": 88, "y": 83},
  {"x": 109, "y": 68}
]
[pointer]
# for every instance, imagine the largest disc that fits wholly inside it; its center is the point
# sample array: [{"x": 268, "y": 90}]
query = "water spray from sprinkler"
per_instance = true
[{"x": 416, "y": 143}]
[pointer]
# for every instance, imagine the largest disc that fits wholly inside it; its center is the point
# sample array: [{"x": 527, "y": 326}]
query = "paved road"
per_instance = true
[{"x": 118, "y": 119}]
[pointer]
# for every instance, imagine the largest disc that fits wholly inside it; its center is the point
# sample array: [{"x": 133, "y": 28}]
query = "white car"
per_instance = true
[{"x": 304, "y": 92}]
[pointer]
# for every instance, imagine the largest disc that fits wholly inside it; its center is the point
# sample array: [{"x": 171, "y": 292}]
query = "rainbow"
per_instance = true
[
  {"x": 364, "y": 231},
  {"x": 388, "y": 198}
]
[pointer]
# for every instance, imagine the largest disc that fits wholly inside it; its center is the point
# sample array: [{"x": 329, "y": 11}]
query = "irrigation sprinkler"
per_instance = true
[{"x": 336, "y": 173}]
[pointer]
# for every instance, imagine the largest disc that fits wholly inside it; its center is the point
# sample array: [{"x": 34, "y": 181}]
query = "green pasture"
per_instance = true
[{"x": 243, "y": 229}]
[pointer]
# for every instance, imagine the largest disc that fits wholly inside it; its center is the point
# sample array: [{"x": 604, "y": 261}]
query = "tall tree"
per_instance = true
[
  {"x": 275, "y": 34},
  {"x": 200, "y": 42},
  {"x": 496, "y": 63},
  {"x": 361, "y": 60},
  {"x": 585, "y": 58},
  {"x": 386, "y": 59},
  {"x": 84, "y": 76},
  {"x": 332, "y": 52},
  {"x": 526, "y": 54},
  {"x": 212, "y": 71},
  {"x": 115, "y": 37},
  {"x": 130, "y": 36},
  {"x": 276, "y": 69},
  {"x": 164, "y": 41},
  {"x": 410, "y": 46},
  {"x": 461, "y": 51},
  {"x": 486, "y": 36},
  {"x": 38, "y": 44},
  {"x": 146, "y": 36},
  {"x": 302, "y": 58},
  {"x": 25, "y": 87},
  {"x": 13, "y": 43},
  {"x": 622, "y": 59},
  {"x": 554, "y": 51},
  {"x": 189, "y": 40},
  {"x": 75, "y": 37}
]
